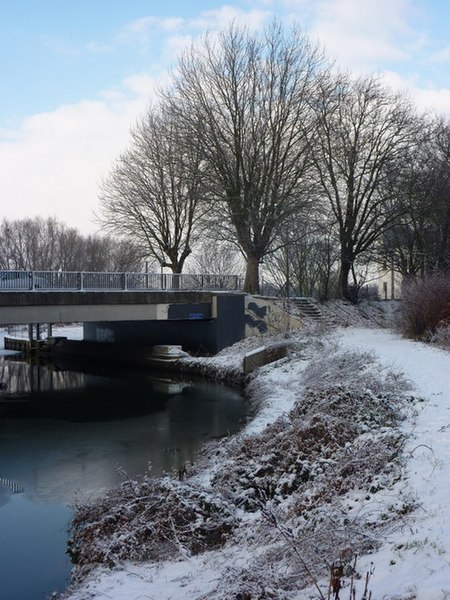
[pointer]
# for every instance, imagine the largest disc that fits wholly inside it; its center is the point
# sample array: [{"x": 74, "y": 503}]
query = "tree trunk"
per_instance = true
[
  {"x": 344, "y": 288},
  {"x": 251, "y": 282}
]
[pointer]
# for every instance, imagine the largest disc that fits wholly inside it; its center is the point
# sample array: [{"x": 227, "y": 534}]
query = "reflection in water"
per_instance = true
[
  {"x": 66, "y": 435},
  {"x": 16, "y": 380}
]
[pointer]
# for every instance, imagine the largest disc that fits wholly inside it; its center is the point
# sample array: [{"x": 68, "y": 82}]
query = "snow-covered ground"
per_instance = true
[
  {"x": 70, "y": 331},
  {"x": 412, "y": 560},
  {"x": 417, "y": 559}
]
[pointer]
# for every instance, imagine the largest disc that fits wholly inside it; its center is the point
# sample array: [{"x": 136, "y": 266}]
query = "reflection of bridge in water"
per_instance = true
[
  {"x": 19, "y": 379},
  {"x": 62, "y": 437},
  {"x": 15, "y": 487}
]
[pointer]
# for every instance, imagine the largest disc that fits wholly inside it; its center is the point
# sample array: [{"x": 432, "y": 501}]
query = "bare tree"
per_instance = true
[
  {"x": 32, "y": 243},
  {"x": 364, "y": 132},
  {"x": 442, "y": 195},
  {"x": 218, "y": 258},
  {"x": 419, "y": 241},
  {"x": 154, "y": 192},
  {"x": 245, "y": 101},
  {"x": 49, "y": 245},
  {"x": 306, "y": 259},
  {"x": 105, "y": 253}
]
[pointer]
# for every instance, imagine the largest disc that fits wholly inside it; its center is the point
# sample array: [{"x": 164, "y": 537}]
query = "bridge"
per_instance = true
[{"x": 200, "y": 312}]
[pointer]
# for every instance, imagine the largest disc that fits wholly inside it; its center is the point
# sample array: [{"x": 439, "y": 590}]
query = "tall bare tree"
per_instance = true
[
  {"x": 364, "y": 133},
  {"x": 419, "y": 242},
  {"x": 245, "y": 101},
  {"x": 154, "y": 192},
  {"x": 442, "y": 194}
]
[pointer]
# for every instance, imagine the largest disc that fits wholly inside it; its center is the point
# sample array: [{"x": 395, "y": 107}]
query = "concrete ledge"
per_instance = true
[
  {"x": 263, "y": 356},
  {"x": 24, "y": 346}
]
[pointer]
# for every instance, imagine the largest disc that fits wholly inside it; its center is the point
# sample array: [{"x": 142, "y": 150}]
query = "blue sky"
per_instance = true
[{"x": 76, "y": 76}]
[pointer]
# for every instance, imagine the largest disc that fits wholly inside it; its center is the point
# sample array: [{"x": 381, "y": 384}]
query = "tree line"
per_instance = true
[
  {"x": 49, "y": 245},
  {"x": 259, "y": 148},
  {"x": 258, "y": 143}
]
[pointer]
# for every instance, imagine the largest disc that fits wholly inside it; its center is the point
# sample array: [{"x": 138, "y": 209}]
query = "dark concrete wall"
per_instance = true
[
  {"x": 231, "y": 320},
  {"x": 189, "y": 310},
  {"x": 189, "y": 325}
]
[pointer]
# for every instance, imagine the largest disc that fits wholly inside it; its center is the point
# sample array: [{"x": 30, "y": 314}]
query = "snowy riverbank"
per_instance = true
[{"x": 391, "y": 507}]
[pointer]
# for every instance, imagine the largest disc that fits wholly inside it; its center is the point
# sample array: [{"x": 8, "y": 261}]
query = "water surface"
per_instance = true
[{"x": 66, "y": 435}]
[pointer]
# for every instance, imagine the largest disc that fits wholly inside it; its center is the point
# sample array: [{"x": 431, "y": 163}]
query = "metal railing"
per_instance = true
[{"x": 66, "y": 281}]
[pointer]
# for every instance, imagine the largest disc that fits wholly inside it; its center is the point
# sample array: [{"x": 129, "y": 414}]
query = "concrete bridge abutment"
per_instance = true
[{"x": 199, "y": 327}]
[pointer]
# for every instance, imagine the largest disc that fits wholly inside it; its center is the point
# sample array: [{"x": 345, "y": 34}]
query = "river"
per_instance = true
[{"x": 67, "y": 434}]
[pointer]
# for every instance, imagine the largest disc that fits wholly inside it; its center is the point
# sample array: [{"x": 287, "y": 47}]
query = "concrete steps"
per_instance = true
[{"x": 308, "y": 308}]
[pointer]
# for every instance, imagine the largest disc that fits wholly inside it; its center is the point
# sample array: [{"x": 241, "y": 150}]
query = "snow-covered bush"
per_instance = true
[
  {"x": 150, "y": 519},
  {"x": 332, "y": 441},
  {"x": 441, "y": 337},
  {"x": 307, "y": 476},
  {"x": 355, "y": 370}
]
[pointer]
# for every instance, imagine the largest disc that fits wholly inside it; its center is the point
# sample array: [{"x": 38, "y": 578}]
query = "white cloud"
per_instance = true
[
  {"x": 368, "y": 36},
  {"x": 144, "y": 29},
  {"x": 437, "y": 100},
  {"x": 361, "y": 33},
  {"x": 175, "y": 45},
  {"x": 425, "y": 99},
  {"x": 98, "y": 48},
  {"x": 225, "y": 15},
  {"x": 59, "y": 46},
  {"x": 53, "y": 164},
  {"x": 441, "y": 56},
  {"x": 171, "y": 35}
]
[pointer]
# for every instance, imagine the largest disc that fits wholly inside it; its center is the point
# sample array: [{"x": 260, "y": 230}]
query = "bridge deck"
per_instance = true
[{"x": 68, "y": 307}]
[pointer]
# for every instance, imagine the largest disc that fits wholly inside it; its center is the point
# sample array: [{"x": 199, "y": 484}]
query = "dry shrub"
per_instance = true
[
  {"x": 151, "y": 519},
  {"x": 441, "y": 337},
  {"x": 425, "y": 305}
]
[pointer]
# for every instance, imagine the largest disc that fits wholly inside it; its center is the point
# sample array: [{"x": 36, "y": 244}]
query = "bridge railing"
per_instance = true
[{"x": 48, "y": 281}]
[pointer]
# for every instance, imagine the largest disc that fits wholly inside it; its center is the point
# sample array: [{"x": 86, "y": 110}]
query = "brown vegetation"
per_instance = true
[{"x": 425, "y": 306}]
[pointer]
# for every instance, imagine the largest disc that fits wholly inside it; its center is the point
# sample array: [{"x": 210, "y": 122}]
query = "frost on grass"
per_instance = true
[
  {"x": 327, "y": 441},
  {"x": 312, "y": 487},
  {"x": 304, "y": 474},
  {"x": 150, "y": 519},
  {"x": 355, "y": 370}
]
